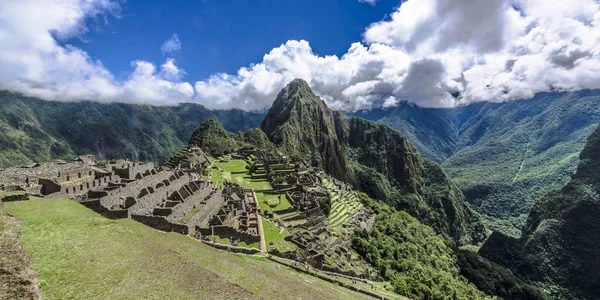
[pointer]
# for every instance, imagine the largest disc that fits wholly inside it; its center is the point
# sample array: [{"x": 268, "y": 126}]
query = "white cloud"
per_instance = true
[
  {"x": 33, "y": 63},
  {"x": 371, "y": 2},
  {"x": 434, "y": 53},
  {"x": 171, "y": 45}
]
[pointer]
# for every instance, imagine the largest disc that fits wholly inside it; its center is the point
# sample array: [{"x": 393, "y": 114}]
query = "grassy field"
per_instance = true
[
  {"x": 225, "y": 241},
  {"x": 78, "y": 254},
  {"x": 235, "y": 171},
  {"x": 275, "y": 239},
  {"x": 273, "y": 203}
]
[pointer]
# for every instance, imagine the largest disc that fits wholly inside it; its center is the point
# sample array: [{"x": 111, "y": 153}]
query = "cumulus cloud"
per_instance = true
[
  {"x": 434, "y": 53},
  {"x": 32, "y": 62},
  {"x": 171, "y": 45}
]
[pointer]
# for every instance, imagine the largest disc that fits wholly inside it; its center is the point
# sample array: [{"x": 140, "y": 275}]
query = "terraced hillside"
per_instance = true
[{"x": 345, "y": 205}]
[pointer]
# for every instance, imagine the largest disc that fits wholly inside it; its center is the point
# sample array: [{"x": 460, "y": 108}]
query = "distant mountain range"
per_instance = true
[
  {"x": 559, "y": 243},
  {"x": 36, "y": 131},
  {"x": 502, "y": 156}
]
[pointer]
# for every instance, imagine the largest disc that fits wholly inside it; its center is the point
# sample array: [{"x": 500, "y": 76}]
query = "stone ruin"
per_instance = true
[
  {"x": 176, "y": 198},
  {"x": 237, "y": 218},
  {"x": 163, "y": 198}
]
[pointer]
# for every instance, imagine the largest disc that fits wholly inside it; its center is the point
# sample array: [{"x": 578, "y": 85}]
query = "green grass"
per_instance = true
[
  {"x": 81, "y": 255},
  {"x": 235, "y": 171},
  {"x": 272, "y": 235},
  {"x": 343, "y": 207},
  {"x": 266, "y": 202},
  {"x": 17, "y": 279}
]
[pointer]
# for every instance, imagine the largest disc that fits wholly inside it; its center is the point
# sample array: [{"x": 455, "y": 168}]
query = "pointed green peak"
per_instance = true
[
  {"x": 297, "y": 90},
  {"x": 212, "y": 138}
]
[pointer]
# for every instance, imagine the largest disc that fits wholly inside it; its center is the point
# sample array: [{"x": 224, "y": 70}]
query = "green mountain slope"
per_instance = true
[
  {"x": 559, "y": 243},
  {"x": 212, "y": 138},
  {"x": 503, "y": 155},
  {"x": 373, "y": 157},
  {"x": 34, "y": 130},
  {"x": 302, "y": 125}
]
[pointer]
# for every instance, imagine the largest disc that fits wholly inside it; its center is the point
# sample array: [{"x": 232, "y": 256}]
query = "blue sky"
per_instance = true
[
  {"x": 354, "y": 55},
  {"x": 222, "y": 36}
]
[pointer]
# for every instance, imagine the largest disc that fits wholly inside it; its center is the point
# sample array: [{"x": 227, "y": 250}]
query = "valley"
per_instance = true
[{"x": 482, "y": 146}]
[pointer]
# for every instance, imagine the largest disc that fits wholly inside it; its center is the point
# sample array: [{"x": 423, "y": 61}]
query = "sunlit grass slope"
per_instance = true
[{"x": 78, "y": 254}]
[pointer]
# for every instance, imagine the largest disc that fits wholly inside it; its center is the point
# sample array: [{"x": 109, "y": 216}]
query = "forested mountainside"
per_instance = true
[
  {"x": 502, "y": 156},
  {"x": 372, "y": 157},
  {"x": 559, "y": 243},
  {"x": 35, "y": 131}
]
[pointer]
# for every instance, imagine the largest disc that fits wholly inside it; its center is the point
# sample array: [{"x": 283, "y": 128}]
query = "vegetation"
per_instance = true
[
  {"x": 36, "y": 131},
  {"x": 212, "y": 138},
  {"x": 483, "y": 146},
  {"x": 275, "y": 239},
  {"x": 559, "y": 243},
  {"x": 125, "y": 259},
  {"x": 494, "y": 279},
  {"x": 254, "y": 138},
  {"x": 419, "y": 263}
]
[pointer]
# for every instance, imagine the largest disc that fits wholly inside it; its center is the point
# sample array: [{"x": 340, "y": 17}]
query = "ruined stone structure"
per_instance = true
[
  {"x": 59, "y": 178},
  {"x": 237, "y": 218}
]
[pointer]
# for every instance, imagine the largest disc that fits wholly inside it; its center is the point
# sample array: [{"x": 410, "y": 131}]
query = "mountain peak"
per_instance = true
[
  {"x": 297, "y": 91},
  {"x": 212, "y": 138},
  {"x": 298, "y": 83}
]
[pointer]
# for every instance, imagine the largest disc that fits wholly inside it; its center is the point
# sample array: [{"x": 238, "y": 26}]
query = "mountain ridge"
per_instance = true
[
  {"x": 505, "y": 155},
  {"x": 35, "y": 130}
]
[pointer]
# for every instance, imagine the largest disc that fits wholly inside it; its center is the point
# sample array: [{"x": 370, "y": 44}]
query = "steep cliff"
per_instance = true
[{"x": 302, "y": 125}]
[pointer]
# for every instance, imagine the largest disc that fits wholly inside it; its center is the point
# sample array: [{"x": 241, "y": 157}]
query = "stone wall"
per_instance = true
[
  {"x": 133, "y": 170},
  {"x": 73, "y": 189},
  {"x": 229, "y": 232},
  {"x": 162, "y": 224},
  {"x": 116, "y": 197},
  {"x": 95, "y": 205},
  {"x": 180, "y": 210},
  {"x": 230, "y": 248},
  {"x": 211, "y": 207},
  {"x": 15, "y": 197}
]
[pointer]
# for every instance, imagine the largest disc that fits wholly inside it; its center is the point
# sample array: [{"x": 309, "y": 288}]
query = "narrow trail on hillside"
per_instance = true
[{"x": 522, "y": 163}]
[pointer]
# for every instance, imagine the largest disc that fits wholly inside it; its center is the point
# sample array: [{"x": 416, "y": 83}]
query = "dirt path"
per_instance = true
[
  {"x": 522, "y": 163},
  {"x": 261, "y": 231}
]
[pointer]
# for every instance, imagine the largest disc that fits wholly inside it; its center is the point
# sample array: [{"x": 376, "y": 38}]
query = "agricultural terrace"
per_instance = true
[{"x": 344, "y": 205}]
